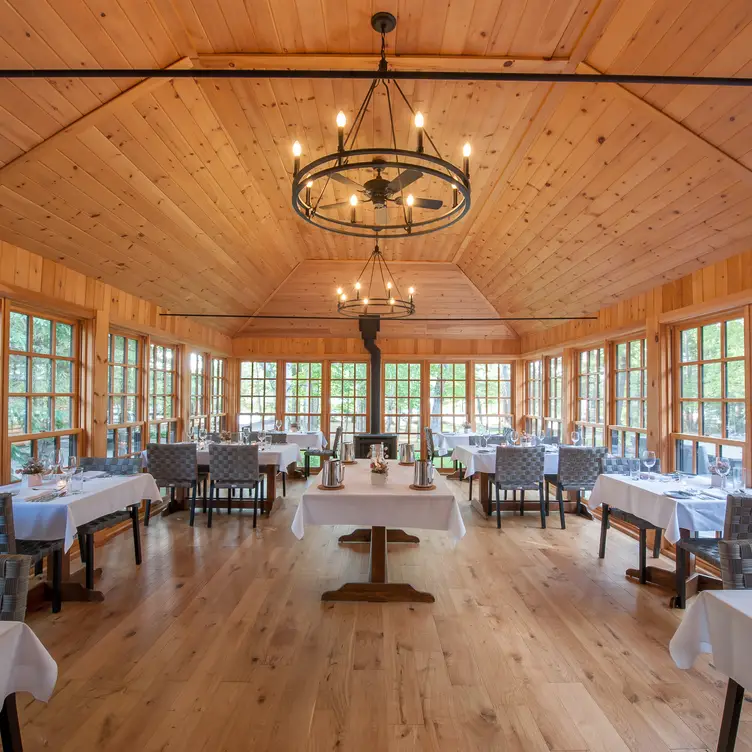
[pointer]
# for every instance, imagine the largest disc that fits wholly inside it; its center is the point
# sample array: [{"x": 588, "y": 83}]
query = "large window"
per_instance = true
[
  {"x": 303, "y": 395},
  {"x": 348, "y": 399},
  {"x": 710, "y": 419},
  {"x": 163, "y": 380},
  {"x": 493, "y": 396},
  {"x": 218, "y": 412},
  {"x": 447, "y": 393},
  {"x": 554, "y": 391},
  {"x": 402, "y": 402},
  {"x": 591, "y": 388},
  {"x": 258, "y": 394},
  {"x": 198, "y": 413},
  {"x": 534, "y": 396},
  {"x": 628, "y": 430},
  {"x": 43, "y": 371},
  {"x": 124, "y": 419}
]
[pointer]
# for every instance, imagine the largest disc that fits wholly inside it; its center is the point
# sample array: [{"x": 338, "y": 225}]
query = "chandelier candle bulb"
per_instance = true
[
  {"x": 455, "y": 197},
  {"x": 409, "y": 210},
  {"x": 419, "y": 126},
  {"x": 341, "y": 123},
  {"x": 466, "y": 151},
  {"x": 353, "y": 204},
  {"x": 308, "y": 187},
  {"x": 297, "y": 150}
]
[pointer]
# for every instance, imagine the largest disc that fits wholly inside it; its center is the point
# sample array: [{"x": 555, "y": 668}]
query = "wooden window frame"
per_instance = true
[
  {"x": 331, "y": 415},
  {"x": 585, "y": 427},
  {"x": 504, "y": 419},
  {"x": 198, "y": 418},
  {"x": 416, "y": 440},
  {"x": 640, "y": 432},
  {"x": 553, "y": 397},
  {"x": 140, "y": 423},
  {"x": 533, "y": 408},
  {"x": 278, "y": 366},
  {"x": 322, "y": 396},
  {"x": 217, "y": 395},
  {"x": 166, "y": 428}
]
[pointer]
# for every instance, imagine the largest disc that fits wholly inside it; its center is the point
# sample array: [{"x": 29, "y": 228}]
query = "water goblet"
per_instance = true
[
  {"x": 514, "y": 436},
  {"x": 575, "y": 436},
  {"x": 649, "y": 458}
]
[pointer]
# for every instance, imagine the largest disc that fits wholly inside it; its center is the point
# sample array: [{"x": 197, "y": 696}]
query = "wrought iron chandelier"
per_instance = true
[
  {"x": 373, "y": 299},
  {"x": 381, "y": 206}
]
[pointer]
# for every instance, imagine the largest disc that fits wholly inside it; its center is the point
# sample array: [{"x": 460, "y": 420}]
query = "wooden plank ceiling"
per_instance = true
[{"x": 178, "y": 191}]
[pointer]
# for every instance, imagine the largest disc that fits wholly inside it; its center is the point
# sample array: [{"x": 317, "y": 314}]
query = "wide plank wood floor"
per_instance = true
[{"x": 219, "y": 642}]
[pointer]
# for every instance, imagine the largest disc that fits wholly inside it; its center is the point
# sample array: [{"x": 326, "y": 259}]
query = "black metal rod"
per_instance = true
[
  {"x": 232, "y": 73},
  {"x": 385, "y": 318}
]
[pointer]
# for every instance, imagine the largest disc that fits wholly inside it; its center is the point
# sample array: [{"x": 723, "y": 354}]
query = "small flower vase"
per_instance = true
[
  {"x": 378, "y": 479},
  {"x": 33, "y": 481},
  {"x": 716, "y": 481}
]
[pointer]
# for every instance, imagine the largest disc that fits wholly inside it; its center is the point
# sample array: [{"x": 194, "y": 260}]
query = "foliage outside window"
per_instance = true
[
  {"x": 493, "y": 396},
  {"x": 43, "y": 365},
  {"x": 198, "y": 417},
  {"x": 218, "y": 412},
  {"x": 554, "y": 390},
  {"x": 447, "y": 409},
  {"x": 348, "y": 399},
  {"x": 258, "y": 394},
  {"x": 124, "y": 419},
  {"x": 591, "y": 388},
  {"x": 629, "y": 429},
  {"x": 402, "y": 402},
  {"x": 711, "y": 409},
  {"x": 163, "y": 380},
  {"x": 534, "y": 396},
  {"x": 303, "y": 403}
]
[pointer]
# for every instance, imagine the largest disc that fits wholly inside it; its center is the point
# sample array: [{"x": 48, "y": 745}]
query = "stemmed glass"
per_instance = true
[
  {"x": 723, "y": 467},
  {"x": 278, "y": 424},
  {"x": 192, "y": 433},
  {"x": 262, "y": 436},
  {"x": 514, "y": 437},
  {"x": 649, "y": 458},
  {"x": 575, "y": 436}
]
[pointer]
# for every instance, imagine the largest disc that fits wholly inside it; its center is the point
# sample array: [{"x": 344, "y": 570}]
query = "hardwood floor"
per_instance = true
[{"x": 220, "y": 642}]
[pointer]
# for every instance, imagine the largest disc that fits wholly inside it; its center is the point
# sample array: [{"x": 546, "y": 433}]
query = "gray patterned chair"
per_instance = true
[
  {"x": 579, "y": 468},
  {"x": 278, "y": 438},
  {"x": 14, "y": 586},
  {"x": 430, "y": 448},
  {"x": 174, "y": 466},
  {"x": 214, "y": 437},
  {"x": 233, "y": 467},
  {"x": 33, "y": 551},
  {"x": 519, "y": 469},
  {"x": 620, "y": 466},
  {"x": 325, "y": 454},
  {"x": 86, "y": 532},
  {"x": 736, "y": 564},
  {"x": 736, "y": 527}
]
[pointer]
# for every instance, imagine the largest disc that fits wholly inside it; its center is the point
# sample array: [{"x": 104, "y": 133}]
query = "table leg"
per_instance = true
[
  {"x": 363, "y": 535},
  {"x": 732, "y": 710},
  {"x": 378, "y": 589},
  {"x": 10, "y": 729},
  {"x": 271, "y": 502},
  {"x": 72, "y": 587},
  {"x": 480, "y": 505}
]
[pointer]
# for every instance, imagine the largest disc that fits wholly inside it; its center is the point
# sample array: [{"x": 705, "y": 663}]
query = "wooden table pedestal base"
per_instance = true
[{"x": 378, "y": 589}]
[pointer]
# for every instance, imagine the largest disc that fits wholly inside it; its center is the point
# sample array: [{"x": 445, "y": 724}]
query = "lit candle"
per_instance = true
[
  {"x": 455, "y": 196},
  {"x": 466, "y": 150},
  {"x": 341, "y": 123},
  {"x": 353, "y": 204},
  {"x": 339, "y": 291},
  {"x": 411, "y": 292},
  {"x": 308, "y": 187},
  {"x": 357, "y": 289},
  {"x": 297, "y": 150},
  {"x": 409, "y": 211},
  {"x": 419, "y": 127}
]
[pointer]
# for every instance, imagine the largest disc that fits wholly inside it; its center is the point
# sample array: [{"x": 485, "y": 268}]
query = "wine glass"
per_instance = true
[
  {"x": 648, "y": 459},
  {"x": 192, "y": 433},
  {"x": 72, "y": 465},
  {"x": 262, "y": 436},
  {"x": 723, "y": 467},
  {"x": 514, "y": 437},
  {"x": 575, "y": 436},
  {"x": 278, "y": 424}
]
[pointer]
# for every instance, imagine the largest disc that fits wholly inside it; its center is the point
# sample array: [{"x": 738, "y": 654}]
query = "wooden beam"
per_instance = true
[
  {"x": 713, "y": 152},
  {"x": 469, "y": 63},
  {"x": 138, "y": 90}
]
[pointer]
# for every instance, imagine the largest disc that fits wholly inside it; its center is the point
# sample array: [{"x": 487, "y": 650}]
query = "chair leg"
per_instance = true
[
  {"x": 147, "y": 513},
  {"x": 522, "y": 503},
  {"x": 657, "y": 543},
  {"x": 255, "y": 501},
  {"x": 307, "y": 470},
  {"x": 10, "y": 728},
  {"x": 680, "y": 600},
  {"x": 498, "y": 513},
  {"x": 204, "y": 496},
  {"x": 136, "y": 534},
  {"x": 489, "y": 506},
  {"x": 230, "y": 494},
  {"x": 90, "y": 561},
  {"x": 470, "y": 488},
  {"x": 57, "y": 581},
  {"x": 605, "y": 514},
  {"x": 212, "y": 492},
  {"x": 579, "y": 502},
  {"x": 560, "y": 499},
  {"x": 643, "y": 555},
  {"x": 542, "y": 505},
  {"x": 81, "y": 548},
  {"x": 732, "y": 711},
  {"x": 193, "y": 505},
  {"x": 284, "y": 484},
  {"x": 548, "y": 497},
  {"x": 172, "y": 499}
]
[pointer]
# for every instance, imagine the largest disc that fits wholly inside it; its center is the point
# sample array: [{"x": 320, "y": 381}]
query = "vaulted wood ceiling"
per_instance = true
[{"x": 178, "y": 190}]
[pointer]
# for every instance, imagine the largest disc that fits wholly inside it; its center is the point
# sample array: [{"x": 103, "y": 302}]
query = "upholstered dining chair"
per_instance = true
[
  {"x": 621, "y": 466},
  {"x": 736, "y": 564},
  {"x": 278, "y": 438},
  {"x": 174, "y": 466},
  {"x": 579, "y": 468},
  {"x": 214, "y": 437},
  {"x": 323, "y": 453},
  {"x": 14, "y": 586},
  {"x": 233, "y": 466},
  {"x": 519, "y": 469},
  {"x": 33, "y": 551},
  {"x": 736, "y": 527},
  {"x": 430, "y": 448}
]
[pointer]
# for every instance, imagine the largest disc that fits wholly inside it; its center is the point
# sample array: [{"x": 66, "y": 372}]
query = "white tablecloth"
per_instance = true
[
  {"x": 393, "y": 505},
  {"x": 25, "y": 664},
  {"x": 307, "y": 440},
  {"x": 718, "y": 622},
  {"x": 647, "y": 499},
  {"x": 476, "y": 461},
  {"x": 59, "y": 518},
  {"x": 278, "y": 455},
  {"x": 445, "y": 442}
]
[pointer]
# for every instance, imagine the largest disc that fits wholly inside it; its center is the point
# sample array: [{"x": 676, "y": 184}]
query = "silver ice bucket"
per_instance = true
[
  {"x": 406, "y": 454},
  {"x": 423, "y": 473},
  {"x": 348, "y": 452},
  {"x": 332, "y": 473}
]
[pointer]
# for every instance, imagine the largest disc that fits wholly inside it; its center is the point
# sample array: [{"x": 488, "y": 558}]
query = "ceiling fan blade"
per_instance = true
[
  {"x": 423, "y": 203},
  {"x": 340, "y": 178},
  {"x": 403, "y": 180}
]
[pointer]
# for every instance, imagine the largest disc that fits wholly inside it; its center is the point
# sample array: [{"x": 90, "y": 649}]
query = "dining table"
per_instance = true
[
  {"x": 681, "y": 507},
  {"x": 382, "y": 510},
  {"x": 446, "y": 442},
  {"x": 720, "y": 623},
  {"x": 305, "y": 439},
  {"x": 46, "y": 513},
  {"x": 25, "y": 666}
]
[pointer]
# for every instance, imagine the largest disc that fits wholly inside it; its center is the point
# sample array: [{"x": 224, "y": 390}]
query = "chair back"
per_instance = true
[
  {"x": 14, "y": 586},
  {"x": 519, "y": 467},
  {"x": 337, "y": 440},
  {"x": 172, "y": 464},
  {"x": 278, "y": 438},
  {"x": 119, "y": 466},
  {"x": 551, "y": 440},
  {"x": 7, "y": 528},
  {"x": 474, "y": 440},
  {"x": 494, "y": 440},
  {"x": 579, "y": 467},
  {"x": 214, "y": 436},
  {"x": 736, "y": 564},
  {"x": 250, "y": 435},
  {"x": 430, "y": 450},
  {"x": 620, "y": 465},
  {"x": 738, "y": 524},
  {"x": 234, "y": 464}
]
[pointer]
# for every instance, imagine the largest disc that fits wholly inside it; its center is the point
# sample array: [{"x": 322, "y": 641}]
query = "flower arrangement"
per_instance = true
[
  {"x": 32, "y": 467},
  {"x": 379, "y": 466},
  {"x": 467, "y": 426},
  {"x": 225, "y": 435}
]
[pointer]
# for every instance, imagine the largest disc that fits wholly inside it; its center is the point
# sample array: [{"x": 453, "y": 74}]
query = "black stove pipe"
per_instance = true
[{"x": 369, "y": 329}]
